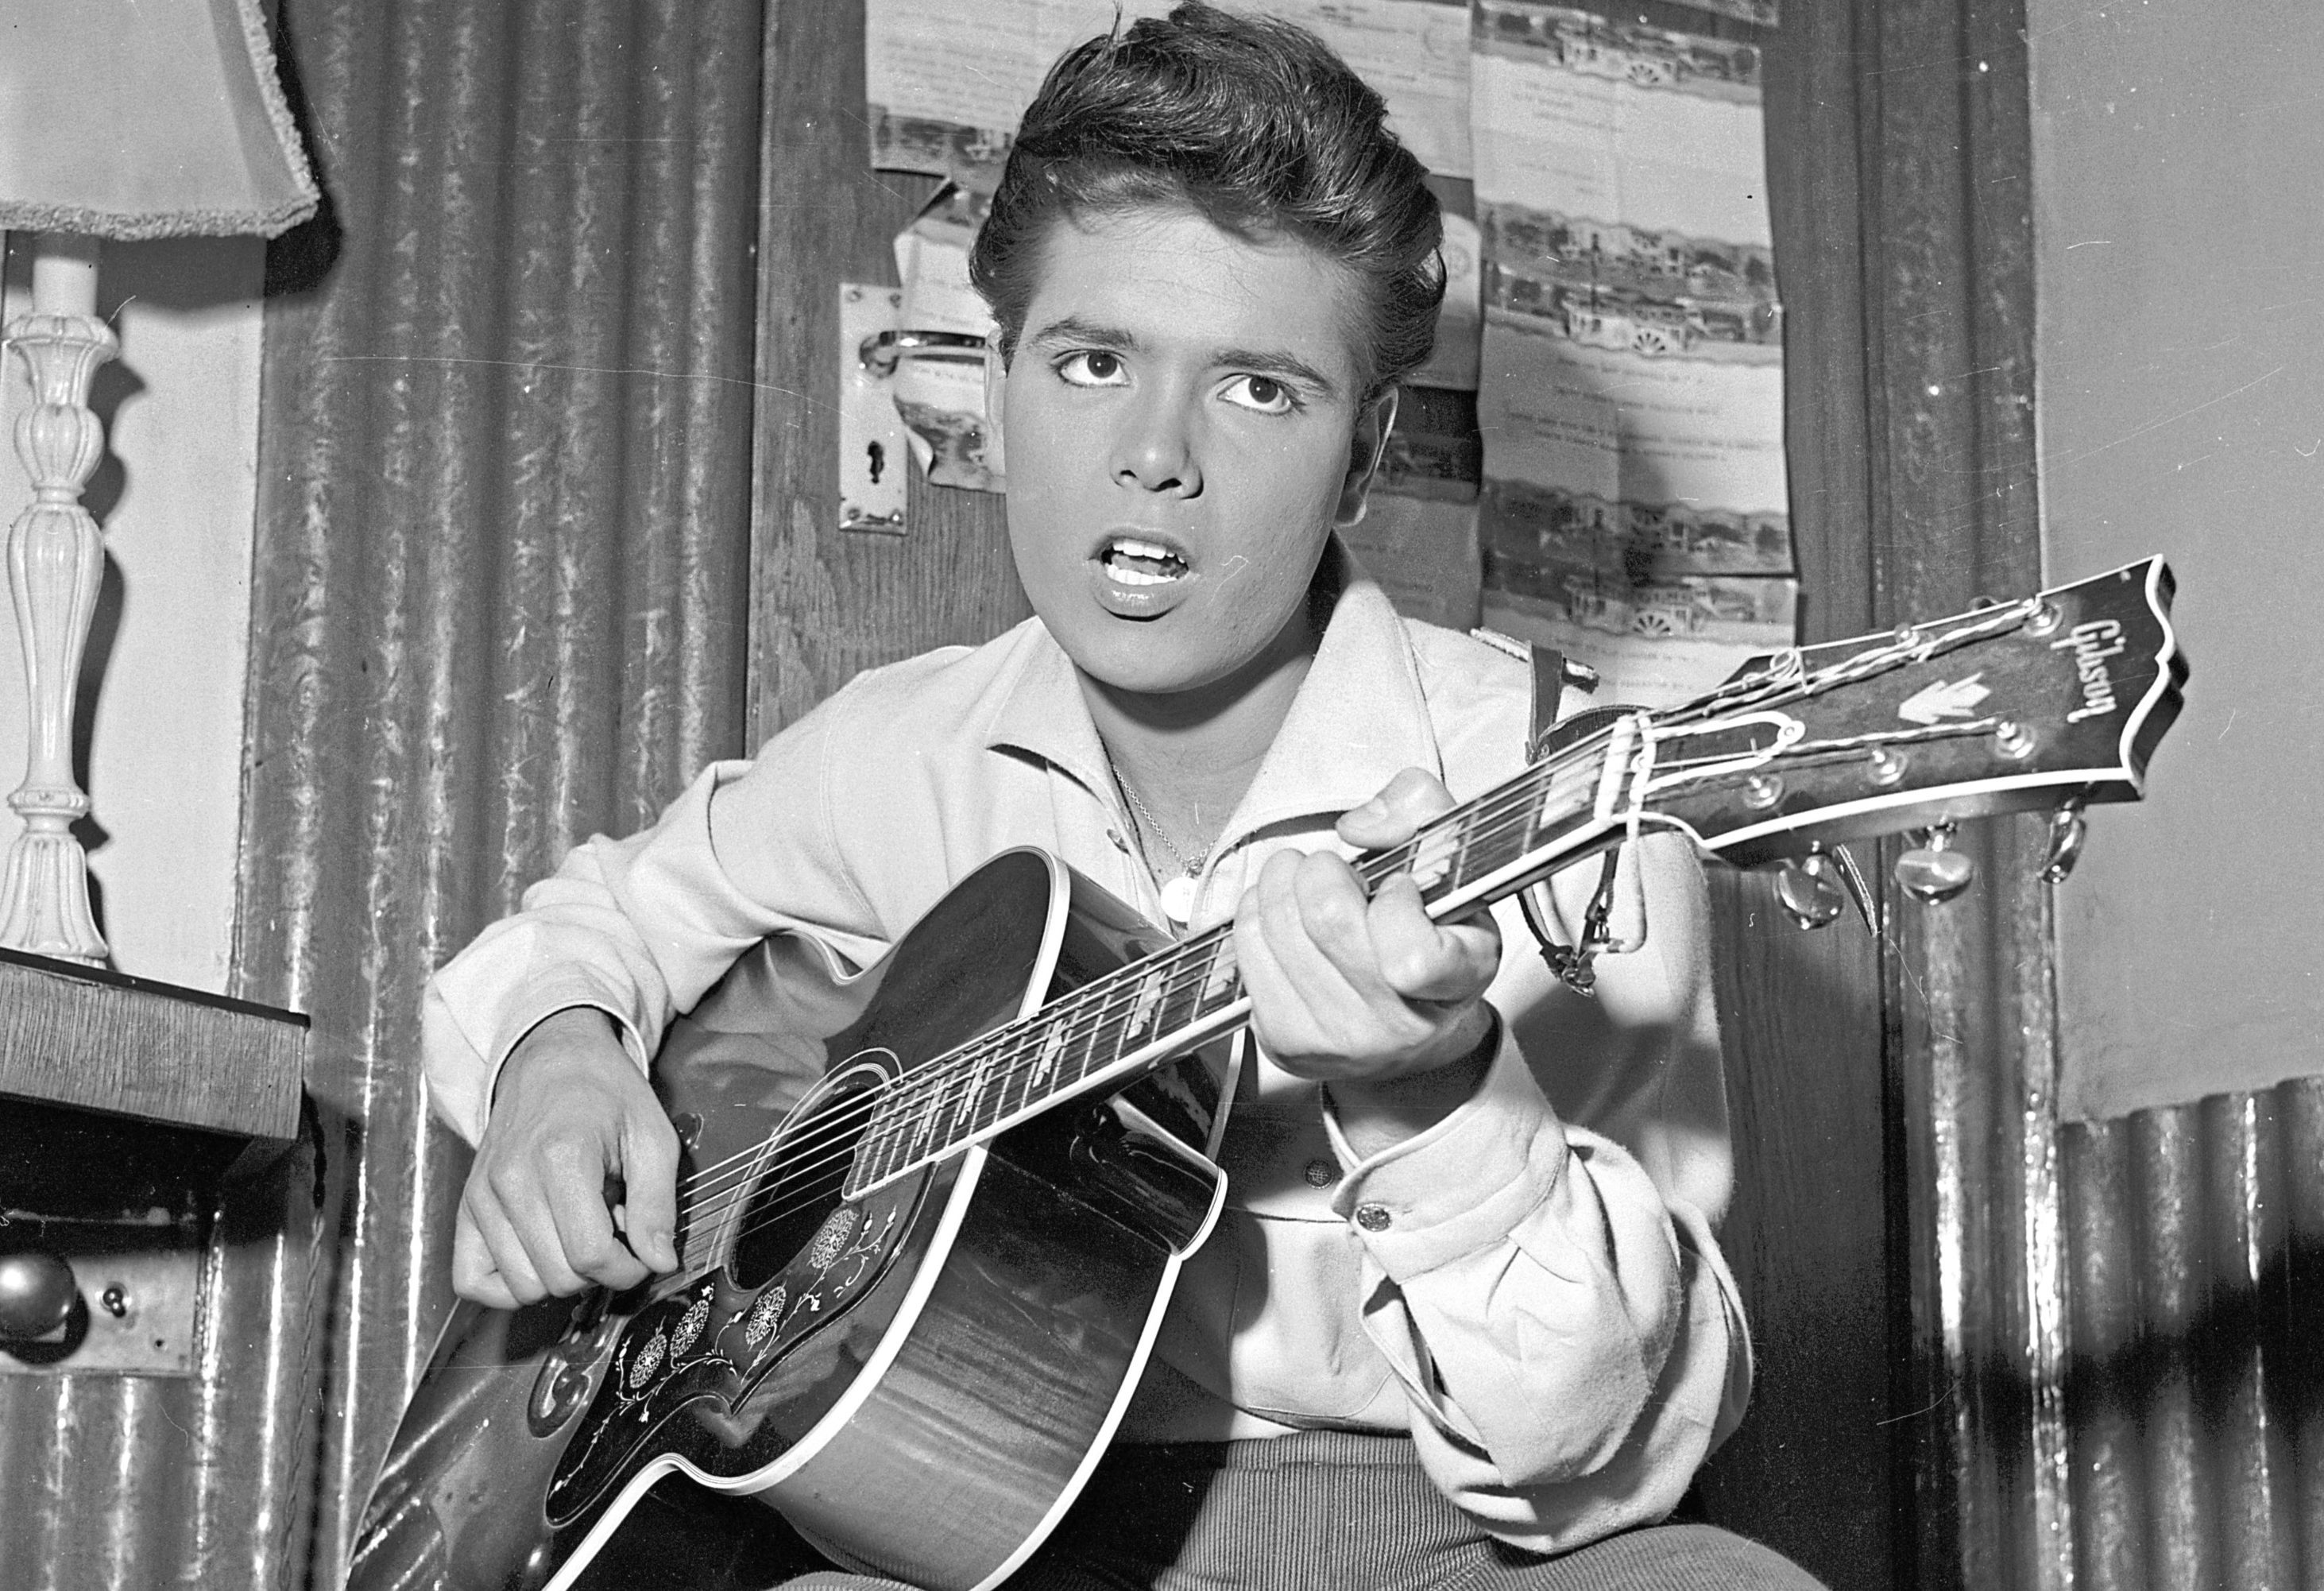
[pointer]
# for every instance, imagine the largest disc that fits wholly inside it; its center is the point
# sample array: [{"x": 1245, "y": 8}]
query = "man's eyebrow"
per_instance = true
[{"x": 1089, "y": 334}]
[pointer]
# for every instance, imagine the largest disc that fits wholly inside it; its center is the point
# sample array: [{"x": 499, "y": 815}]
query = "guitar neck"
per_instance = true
[{"x": 1115, "y": 1028}]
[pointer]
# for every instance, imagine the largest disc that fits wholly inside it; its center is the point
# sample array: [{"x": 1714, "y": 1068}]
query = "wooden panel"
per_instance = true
[
  {"x": 827, "y": 603},
  {"x": 80, "y": 1036},
  {"x": 1968, "y": 988},
  {"x": 1814, "y": 1470}
]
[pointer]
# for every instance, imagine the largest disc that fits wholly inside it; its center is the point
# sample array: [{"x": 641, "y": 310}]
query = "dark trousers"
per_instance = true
[{"x": 1331, "y": 1511}]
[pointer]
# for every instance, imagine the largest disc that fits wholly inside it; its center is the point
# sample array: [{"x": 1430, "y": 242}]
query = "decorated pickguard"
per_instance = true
[{"x": 703, "y": 1349}]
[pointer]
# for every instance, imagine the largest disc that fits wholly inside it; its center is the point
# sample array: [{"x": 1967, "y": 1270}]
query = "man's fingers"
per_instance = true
[
  {"x": 1389, "y": 818},
  {"x": 562, "y": 1213},
  {"x": 474, "y": 1275},
  {"x": 588, "y": 1245},
  {"x": 1322, "y": 904},
  {"x": 650, "y": 1179},
  {"x": 538, "y": 1205},
  {"x": 509, "y": 1264},
  {"x": 1421, "y": 959}
]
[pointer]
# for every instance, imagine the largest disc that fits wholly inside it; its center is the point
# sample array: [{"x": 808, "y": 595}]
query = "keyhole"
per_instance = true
[{"x": 879, "y": 460}]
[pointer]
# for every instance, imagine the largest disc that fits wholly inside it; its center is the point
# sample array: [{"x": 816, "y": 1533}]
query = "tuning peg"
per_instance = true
[
  {"x": 1934, "y": 871},
  {"x": 2066, "y": 831},
  {"x": 1808, "y": 890}
]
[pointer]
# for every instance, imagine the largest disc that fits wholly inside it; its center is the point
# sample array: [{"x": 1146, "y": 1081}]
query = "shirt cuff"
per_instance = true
[
  {"x": 571, "y": 989},
  {"x": 1461, "y": 1185}
]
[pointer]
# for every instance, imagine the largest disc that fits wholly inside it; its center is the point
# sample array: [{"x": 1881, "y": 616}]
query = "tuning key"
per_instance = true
[
  {"x": 1808, "y": 890},
  {"x": 2066, "y": 831},
  {"x": 1934, "y": 871}
]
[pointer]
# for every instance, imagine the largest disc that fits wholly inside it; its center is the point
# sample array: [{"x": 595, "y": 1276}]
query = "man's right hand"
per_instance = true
[{"x": 570, "y": 1113}]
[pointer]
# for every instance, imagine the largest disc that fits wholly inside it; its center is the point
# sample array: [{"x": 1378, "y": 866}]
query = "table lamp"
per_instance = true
[{"x": 130, "y": 120}]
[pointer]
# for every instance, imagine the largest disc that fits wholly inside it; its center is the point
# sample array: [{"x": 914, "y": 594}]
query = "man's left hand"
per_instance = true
[{"x": 1370, "y": 997}]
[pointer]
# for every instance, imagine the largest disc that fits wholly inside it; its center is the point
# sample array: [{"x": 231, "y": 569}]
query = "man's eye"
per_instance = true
[
  {"x": 1092, "y": 367},
  {"x": 1262, "y": 392}
]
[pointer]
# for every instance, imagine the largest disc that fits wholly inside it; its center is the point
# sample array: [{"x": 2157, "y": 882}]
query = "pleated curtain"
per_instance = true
[{"x": 500, "y": 583}]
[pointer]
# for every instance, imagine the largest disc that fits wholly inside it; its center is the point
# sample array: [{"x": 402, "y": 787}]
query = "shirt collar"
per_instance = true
[{"x": 1358, "y": 719}]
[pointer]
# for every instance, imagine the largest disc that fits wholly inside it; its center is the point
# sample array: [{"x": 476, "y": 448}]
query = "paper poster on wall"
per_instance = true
[
  {"x": 1419, "y": 535},
  {"x": 1459, "y": 324},
  {"x": 1631, "y": 389},
  {"x": 946, "y": 84},
  {"x": 1414, "y": 52}
]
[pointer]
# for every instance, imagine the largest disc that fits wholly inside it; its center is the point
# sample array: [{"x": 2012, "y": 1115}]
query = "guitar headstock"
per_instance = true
[{"x": 2048, "y": 701}]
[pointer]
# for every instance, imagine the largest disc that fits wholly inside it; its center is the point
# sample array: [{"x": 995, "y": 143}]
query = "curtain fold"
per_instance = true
[{"x": 500, "y": 589}]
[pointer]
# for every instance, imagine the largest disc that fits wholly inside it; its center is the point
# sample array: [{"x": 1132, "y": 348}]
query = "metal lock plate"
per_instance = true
[
  {"x": 873, "y": 453},
  {"x": 140, "y": 1283}
]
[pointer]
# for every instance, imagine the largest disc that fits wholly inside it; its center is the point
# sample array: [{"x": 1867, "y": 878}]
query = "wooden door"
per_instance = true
[{"x": 827, "y": 603}]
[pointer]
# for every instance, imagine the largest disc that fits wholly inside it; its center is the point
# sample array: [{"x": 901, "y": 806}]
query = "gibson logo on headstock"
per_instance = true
[{"x": 2091, "y": 648}]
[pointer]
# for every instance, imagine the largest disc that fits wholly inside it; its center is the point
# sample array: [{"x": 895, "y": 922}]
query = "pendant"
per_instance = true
[{"x": 1178, "y": 899}]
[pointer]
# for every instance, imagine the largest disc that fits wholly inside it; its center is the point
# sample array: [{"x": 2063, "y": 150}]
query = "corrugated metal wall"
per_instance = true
[
  {"x": 500, "y": 602},
  {"x": 2194, "y": 1404},
  {"x": 124, "y": 1481}
]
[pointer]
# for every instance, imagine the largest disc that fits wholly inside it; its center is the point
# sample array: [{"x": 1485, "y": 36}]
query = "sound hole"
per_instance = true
[{"x": 799, "y": 1190}]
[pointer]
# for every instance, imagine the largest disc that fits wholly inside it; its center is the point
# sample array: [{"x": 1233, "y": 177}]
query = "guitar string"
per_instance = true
[
  {"x": 946, "y": 1082},
  {"x": 798, "y": 1172},
  {"x": 1087, "y": 1011},
  {"x": 836, "y": 1121},
  {"x": 1198, "y": 965},
  {"x": 1098, "y": 1001},
  {"x": 1486, "y": 827},
  {"x": 1142, "y": 987},
  {"x": 1094, "y": 1004}
]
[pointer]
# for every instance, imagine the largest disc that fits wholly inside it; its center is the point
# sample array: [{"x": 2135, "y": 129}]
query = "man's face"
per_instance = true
[{"x": 1184, "y": 429}]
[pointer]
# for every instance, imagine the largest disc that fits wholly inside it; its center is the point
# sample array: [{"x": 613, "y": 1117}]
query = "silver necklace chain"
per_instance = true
[{"x": 1147, "y": 823}]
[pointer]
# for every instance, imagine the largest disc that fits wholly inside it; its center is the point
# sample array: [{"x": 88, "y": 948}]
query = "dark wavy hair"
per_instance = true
[{"x": 1252, "y": 123}]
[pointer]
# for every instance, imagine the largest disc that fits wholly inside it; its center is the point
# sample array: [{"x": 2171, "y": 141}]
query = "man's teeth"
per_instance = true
[{"x": 1142, "y": 563}]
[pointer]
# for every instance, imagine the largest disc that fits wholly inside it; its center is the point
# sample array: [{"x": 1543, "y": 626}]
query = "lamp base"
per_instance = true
[
  {"x": 44, "y": 901},
  {"x": 56, "y": 563}
]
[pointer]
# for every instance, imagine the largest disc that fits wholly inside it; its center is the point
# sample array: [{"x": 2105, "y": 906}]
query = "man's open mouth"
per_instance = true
[{"x": 1134, "y": 562}]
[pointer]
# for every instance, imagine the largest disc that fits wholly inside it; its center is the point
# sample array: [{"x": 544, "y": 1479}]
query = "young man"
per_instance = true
[{"x": 1464, "y": 1323}]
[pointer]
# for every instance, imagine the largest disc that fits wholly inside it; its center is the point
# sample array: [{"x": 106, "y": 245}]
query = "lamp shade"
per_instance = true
[{"x": 145, "y": 119}]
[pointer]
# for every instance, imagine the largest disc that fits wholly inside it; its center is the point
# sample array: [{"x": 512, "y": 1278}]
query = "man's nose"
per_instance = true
[{"x": 1156, "y": 449}]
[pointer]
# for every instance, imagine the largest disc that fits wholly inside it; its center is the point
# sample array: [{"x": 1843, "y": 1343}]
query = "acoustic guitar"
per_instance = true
[{"x": 916, "y": 1296}]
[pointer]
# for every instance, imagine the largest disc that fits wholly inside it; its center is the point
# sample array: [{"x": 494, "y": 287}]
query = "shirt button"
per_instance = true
[
  {"x": 1322, "y": 1173},
  {"x": 1372, "y": 1218}
]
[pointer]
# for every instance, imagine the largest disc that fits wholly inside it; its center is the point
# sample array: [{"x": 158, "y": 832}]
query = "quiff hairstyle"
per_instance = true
[{"x": 1252, "y": 123}]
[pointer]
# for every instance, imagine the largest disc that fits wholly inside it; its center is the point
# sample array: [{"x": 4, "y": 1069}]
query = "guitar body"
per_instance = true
[{"x": 919, "y": 1379}]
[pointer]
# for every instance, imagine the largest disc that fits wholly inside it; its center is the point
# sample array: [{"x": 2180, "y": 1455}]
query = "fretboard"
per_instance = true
[{"x": 1106, "y": 1032}]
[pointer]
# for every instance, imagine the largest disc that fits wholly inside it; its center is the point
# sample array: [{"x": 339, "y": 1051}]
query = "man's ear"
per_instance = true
[
  {"x": 1366, "y": 448},
  {"x": 996, "y": 380}
]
